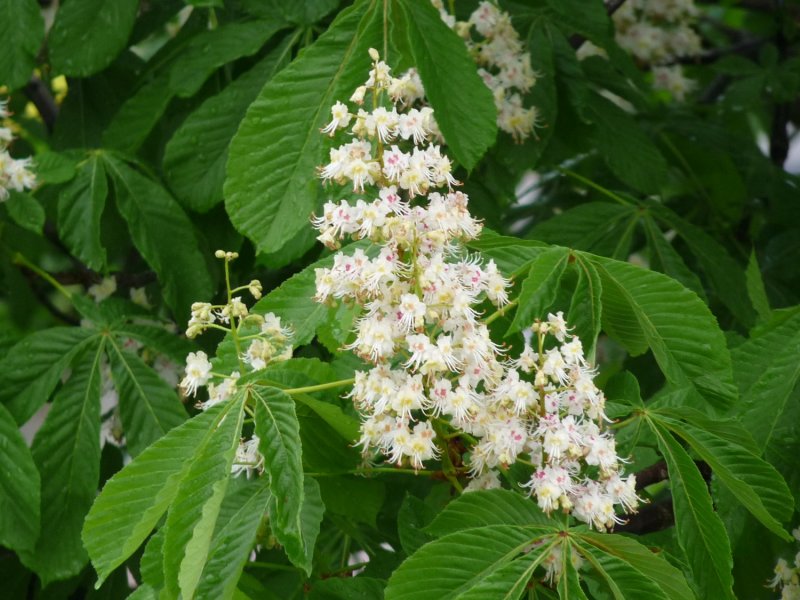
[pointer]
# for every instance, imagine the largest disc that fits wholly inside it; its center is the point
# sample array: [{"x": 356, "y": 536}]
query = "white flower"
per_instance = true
[
  {"x": 248, "y": 459},
  {"x": 104, "y": 289},
  {"x": 340, "y": 118},
  {"x": 198, "y": 372}
]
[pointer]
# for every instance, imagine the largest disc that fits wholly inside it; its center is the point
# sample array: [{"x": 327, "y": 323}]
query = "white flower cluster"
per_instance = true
[
  {"x": 657, "y": 32},
  {"x": 436, "y": 372},
  {"x": 265, "y": 338},
  {"x": 504, "y": 64},
  {"x": 787, "y": 577},
  {"x": 15, "y": 174}
]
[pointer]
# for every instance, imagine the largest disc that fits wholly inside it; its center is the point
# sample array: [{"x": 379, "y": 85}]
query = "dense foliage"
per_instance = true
[{"x": 545, "y": 344}]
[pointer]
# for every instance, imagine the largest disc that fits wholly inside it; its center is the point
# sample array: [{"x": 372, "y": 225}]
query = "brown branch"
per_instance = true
[
  {"x": 652, "y": 474},
  {"x": 653, "y": 517},
  {"x": 38, "y": 93}
]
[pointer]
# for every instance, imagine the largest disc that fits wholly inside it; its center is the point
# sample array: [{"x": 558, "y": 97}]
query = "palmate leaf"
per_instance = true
[
  {"x": 464, "y": 105},
  {"x": 701, "y": 533},
  {"x": 80, "y": 207},
  {"x": 459, "y": 562},
  {"x": 754, "y": 482},
  {"x": 279, "y": 432},
  {"x": 134, "y": 500},
  {"x": 193, "y": 512},
  {"x": 300, "y": 548},
  {"x": 235, "y": 533},
  {"x": 67, "y": 453},
  {"x": 88, "y": 34},
  {"x": 644, "y": 309},
  {"x": 195, "y": 157},
  {"x": 171, "y": 345},
  {"x": 270, "y": 190},
  {"x": 32, "y": 368},
  {"x": 163, "y": 234},
  {"x": 20, "y": 495},
  {"x": 22, "y": 32},
  {"x": 148, "y": 406}
]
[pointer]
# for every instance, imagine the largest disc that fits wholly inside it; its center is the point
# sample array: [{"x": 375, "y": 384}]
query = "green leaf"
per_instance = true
[
  {"x": 57, "y": 167},
  {"x": 279, "y": 432},
  {"x": 652, "y": 565},
  {"x": 88, "y": 34},
  {"x": 722, "y": 272},
  {"x": 25, "y": 211},
  {"x": 170, "y": 344},
  {"x": 164, "y": 236},
  {"x": 148, "y": 406},
  {"x": 306, "y": 13},
  {"x": 664, "y": 258},
  {"x": 193, "y": 513},
  {"x": 195, "y": 157},
  {"x": 629, "y": 153},
  {"x": 487, "y": 507},
  {"x": 133, "y": 501},
  {"x": 136, "y": 118},
  {"x": 412, "y": 518},
  {"x": 755, "y": 288},
  {"x": 594, "y": 227},
  {"x": 569, "y": 583},
  {"x": 540, "y": 287},
  {"x": 586, "y": 308},
  {"x": 701, "y": 533},
  {"x": 151, "y": 565},
  {"x": 209, "y": 50},
  {"x": 300, "y": 548},
  {"x": 20, "y": 495},
  {"x": 80, "y": 207},
  {"x": 234, "y": 537},
  {"x": 754, "y": 482},
  {"x": 622, "y": 579},
  {"x": 354, "y": 497},
  {"x": 32, "y": 368},
  {"x": 767, "y": 370},
  {"x": 589, "y": 19},
  {"x": 22, "y": 32},
  {"x": 457, "y": 563},
  {"x": 67, "y": 453},
  {"x": 646, "y": 309},
  {"x": 468, "y": 117},
  {"x": 271, "y": 190}
]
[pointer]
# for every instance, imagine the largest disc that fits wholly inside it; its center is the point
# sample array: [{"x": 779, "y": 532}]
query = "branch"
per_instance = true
[
  {"x": 654, "y": 517},
  {"x": 38, "y": 93}
]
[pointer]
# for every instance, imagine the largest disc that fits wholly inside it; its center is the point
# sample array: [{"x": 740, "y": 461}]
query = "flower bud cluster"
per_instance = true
[
  {"x": 437, "y": 374},
  {"x": 15, "y": 174},
  {"x": 657, "y": 32},
  {"x": 787, "y": 576},
  {"x": 505, "y": 66}
]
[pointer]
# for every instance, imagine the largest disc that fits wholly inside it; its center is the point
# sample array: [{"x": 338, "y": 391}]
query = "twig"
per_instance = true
[{"x": 38, "y": 93}]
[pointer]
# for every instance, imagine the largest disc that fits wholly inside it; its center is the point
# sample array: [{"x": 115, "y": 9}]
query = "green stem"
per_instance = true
[
  {"x": 606, "y": 192},
  {"x": 234, "y": 328},
  {"x": 345, "y": 569},
  {"x": 320, "y": 387},
  {"x": 19, "y": 259},
  {"x": 374, "y": 470},
  {"x": 500, "y": 312}
]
